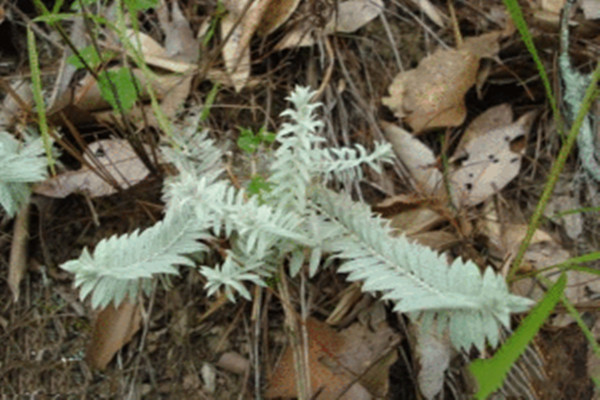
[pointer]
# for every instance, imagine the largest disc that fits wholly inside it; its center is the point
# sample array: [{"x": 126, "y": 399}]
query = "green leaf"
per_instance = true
[
  {"x": 266, "y": 136},
  {"x": 210, "y": 100},
  {"x": 258, "y": 185},
  {"x": 490, "y": 373},
  {"x": 90, "y": 56},
  {"x": 124, "y": 86},
  {"x": 38, "y": 96},
  {"x": 76, "y": 5},
  {"x": 247, "y": 141},
  {"x": 141, "y": 5}
]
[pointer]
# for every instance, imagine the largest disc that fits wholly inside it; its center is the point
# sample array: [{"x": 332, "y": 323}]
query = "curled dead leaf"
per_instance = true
[
  {"x": 115, "y": 158},
  {"x": 417, "y": 157},
  {"x": 432, "y": 95},
  {"x": 323, "y": 342},
  {"x": 488, "y": 162},
  {"x": 113, "y": 328}
]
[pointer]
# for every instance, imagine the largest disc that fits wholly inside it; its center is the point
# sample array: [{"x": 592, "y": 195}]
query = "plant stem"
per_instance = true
[{"x": 590, "y": 93}]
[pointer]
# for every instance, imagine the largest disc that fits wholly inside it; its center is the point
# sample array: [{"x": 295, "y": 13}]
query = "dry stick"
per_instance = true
[
  {"x": 557, "y": 167},
  {"x": 255, "y": 321},
  {"x": 146, "y": 318},
  {"x": 291, "y": 318},
  {"x": 18, "y": 251}
]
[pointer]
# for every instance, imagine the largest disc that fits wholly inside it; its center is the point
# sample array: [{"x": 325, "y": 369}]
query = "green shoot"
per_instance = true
[
  {"x": 250, "y": 142},
  {"x": 490, "y": 373},
  {"x": 36, "y": 85}
]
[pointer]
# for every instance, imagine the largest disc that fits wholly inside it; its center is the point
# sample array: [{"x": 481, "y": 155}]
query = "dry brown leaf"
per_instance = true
[
  {"x": 417, "y": 157},
  {"x": 279, "y": 12},
  {"x": 350, "y": 16},
  {"x": 116, "y": 158},
  {"x": 157, "y": 56},
  {"x": 399, "y": 203},
  {"x": 433, "y": 353},
  {"x": 181, "y": 46},
  {"x": 416, "y": 220},
  {"x": 493, "y": 118},
  {"x": 353, "y": 14},
  {"x": 323, "y": 342},
  {"x": 300, "y": 36},
  {"x": 432, "y": 95},
  {"x": 61, "y": 93},
  {"x": 492, "y": 161},
  {"x": 180, "y": 42},
  {"x": 13, "y": 104},
  {"x": 431, "y": 11},
  {"x": 543, "y": 252},
  {"x": 233, "y": 362},
  {"x": 553, "y": 6},
  {"x": 591, "y": 9},
  {"x": 573, "y": 222},
  {"x": 368, "y": 355},
  {"x": 236, "y": 51},
  {"x": 113, "y": 328},
  {"x": 237, "y": 58},
  {"x": 437, "y": 240}
]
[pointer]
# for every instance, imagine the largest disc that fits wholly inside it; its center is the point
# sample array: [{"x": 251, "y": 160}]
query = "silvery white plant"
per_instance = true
[
  {"x": 298, "y": 222},
  {"x": 20, "y": 165}
]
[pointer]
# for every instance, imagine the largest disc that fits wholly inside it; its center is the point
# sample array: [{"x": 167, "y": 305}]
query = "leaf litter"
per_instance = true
[{"x": 422, "y": 217}]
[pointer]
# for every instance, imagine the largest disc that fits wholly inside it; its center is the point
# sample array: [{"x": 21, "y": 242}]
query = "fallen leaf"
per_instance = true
[
  {"x": 553, "y": 6},
  {"x": 417, "y": 157},
  {"x": 431, "y": 11},
  {"x": 591, "y": 9},
  {"x": 18, "y": 101},
  {"x": 279, "y": 12},
  {"x": 156, "y": 55},
  {"x": 115, "y": 157},
  {"x": 368, "y": 355},
  {"x": 236, "y": 51},
  {"x": 61, "y": 94},
  {"x": 571, "y": 222},
  {"x": 432, "y": 95},
  {"x": 433, "y": 353},
  {"x": 323, "y": 342},
  {"x": 416, "y": 220},
  {"x": 181, "y": 46},
  {"x": 233, "y": 362},
  {"x": 543, "y": 252},
  {"x": 300, "y": 36},
  {"x": 493, "y": 118},
  {"x": 439, "y": 241},
  {"x": 489, "y": 162},
  {"x": 113, "y": 328},
  {"x": 209, "y": 377},
  {"x": 352, "y": 15}
]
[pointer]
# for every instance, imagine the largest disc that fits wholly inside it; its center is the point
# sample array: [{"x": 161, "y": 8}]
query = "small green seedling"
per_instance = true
[{"x": 250, "y": 142}]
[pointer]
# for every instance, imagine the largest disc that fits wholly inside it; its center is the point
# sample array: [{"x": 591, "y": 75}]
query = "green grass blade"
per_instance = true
[
  {"x": 517, "y": 16},
  {"x": 210, "y": 100},
  {"x": 38, "y": 97},
  {"x": 590, "y": 94},
  {"x": 490, "y": 373}
]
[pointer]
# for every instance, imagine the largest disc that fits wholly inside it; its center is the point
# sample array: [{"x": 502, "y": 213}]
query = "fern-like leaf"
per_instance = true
[
  {"x": 118, "y": 263},
  {"x": 417, "y": 278},
  {"x": 20, "y": 165}
]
